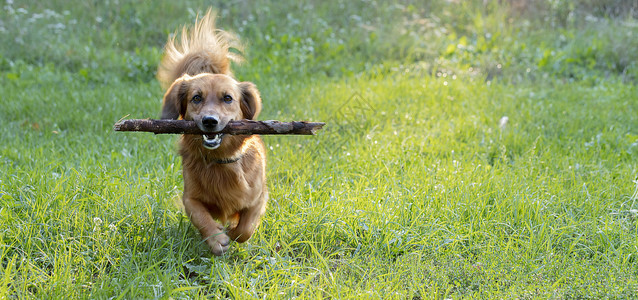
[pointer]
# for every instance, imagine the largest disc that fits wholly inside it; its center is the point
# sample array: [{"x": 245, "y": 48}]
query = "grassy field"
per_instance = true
[{"x": 472, "y": 151}]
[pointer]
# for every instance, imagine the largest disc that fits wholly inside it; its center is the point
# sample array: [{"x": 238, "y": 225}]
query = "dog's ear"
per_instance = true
[
  {"x": 174, "y": 104},
  {"x": 250, "y": 100}
]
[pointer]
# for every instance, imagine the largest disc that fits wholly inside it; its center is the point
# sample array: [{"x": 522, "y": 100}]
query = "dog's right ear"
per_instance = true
[{"x": 174, "y": 105}]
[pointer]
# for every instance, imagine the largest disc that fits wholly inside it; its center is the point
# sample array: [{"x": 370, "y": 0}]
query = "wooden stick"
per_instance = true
[{"x": 244, "y": 127}]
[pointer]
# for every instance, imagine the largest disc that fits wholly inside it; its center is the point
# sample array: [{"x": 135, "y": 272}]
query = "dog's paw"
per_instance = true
[{"x": 219, "y": 244}]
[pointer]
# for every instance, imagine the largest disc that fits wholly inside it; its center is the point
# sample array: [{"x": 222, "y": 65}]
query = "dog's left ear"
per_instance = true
[
  {"x": 250, "y": 100},
  {"x": 174, "y": 104}
]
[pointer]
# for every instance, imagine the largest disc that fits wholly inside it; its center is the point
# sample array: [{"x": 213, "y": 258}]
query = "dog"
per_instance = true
[{"x": 225, "y": 192}]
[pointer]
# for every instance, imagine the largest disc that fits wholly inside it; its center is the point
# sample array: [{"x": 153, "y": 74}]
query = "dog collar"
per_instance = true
[
  {"x": 221, "y": 161},
  {"x": 228, "y": 160}
]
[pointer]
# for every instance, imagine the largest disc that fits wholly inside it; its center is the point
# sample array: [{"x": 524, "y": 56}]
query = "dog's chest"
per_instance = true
[{"x": 221, "y": 185}]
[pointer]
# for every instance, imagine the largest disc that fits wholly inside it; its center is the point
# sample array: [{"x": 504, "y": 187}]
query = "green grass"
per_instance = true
[{"x": 414, "y": 190}]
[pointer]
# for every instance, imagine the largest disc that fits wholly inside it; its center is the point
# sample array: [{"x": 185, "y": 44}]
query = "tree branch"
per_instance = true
[{"x": 234, "y": 127}]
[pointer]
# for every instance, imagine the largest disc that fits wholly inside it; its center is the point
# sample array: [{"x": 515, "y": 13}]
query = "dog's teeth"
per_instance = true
[{"x": 212, "y": 143}]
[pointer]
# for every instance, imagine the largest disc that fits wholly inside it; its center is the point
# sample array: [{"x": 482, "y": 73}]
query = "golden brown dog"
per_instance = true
[{"x": 224, "y": 175}]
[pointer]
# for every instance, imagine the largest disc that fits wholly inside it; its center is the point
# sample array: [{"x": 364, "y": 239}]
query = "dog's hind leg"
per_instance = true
[
  {"x": 248, "y": 221},
  {"x": 212, "y": 232}
]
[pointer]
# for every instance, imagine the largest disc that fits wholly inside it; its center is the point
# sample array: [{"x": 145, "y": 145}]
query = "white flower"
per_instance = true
[
  {"x": 98, "y": 222},
  {"x": 503, "y": 122}
]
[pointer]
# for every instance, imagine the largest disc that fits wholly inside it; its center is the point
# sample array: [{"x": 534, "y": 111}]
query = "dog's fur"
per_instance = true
[{"x": 224, "y": 186}]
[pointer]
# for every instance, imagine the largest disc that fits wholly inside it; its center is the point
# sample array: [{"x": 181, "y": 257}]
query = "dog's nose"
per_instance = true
[{"x": 210, "y": 121}]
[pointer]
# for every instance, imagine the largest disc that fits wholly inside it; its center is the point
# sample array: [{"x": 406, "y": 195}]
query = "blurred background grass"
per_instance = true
[{"x": 310, "y": 39}]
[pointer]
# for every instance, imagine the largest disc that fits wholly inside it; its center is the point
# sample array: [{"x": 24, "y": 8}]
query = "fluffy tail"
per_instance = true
[{"x": 201, "y": 49}]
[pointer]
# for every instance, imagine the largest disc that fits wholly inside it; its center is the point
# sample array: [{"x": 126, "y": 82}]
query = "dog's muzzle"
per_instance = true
[{"x": 212, "y": 140}]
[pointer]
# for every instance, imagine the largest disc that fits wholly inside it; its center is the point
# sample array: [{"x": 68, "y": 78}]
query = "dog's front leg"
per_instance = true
[{"x": 212, "y": 232}]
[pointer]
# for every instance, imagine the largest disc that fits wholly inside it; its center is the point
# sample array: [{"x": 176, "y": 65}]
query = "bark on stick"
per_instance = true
[{"x": 243, "y": 127}]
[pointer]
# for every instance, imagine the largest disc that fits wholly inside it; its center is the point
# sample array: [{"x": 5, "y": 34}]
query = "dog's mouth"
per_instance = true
[{"x": 212, "y": 141}]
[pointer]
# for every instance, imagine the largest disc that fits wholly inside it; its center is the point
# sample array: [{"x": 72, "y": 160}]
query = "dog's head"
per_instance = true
[{"x": 211, "y": 100}]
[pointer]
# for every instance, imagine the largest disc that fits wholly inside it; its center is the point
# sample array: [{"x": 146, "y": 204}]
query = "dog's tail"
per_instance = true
[{"x": 201, "y": 49}]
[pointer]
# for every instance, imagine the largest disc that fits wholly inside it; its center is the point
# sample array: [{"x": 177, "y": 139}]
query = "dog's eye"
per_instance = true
[
  {"x": 228, "y": 98},
  {"x": 196, "y": 99}
]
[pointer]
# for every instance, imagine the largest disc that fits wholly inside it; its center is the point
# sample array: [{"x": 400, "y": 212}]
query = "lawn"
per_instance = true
[{"x": 472, "y": 150}]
